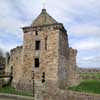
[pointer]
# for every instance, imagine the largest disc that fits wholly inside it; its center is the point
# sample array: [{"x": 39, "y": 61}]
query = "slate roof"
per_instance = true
[{"x": 43, "y": 19}]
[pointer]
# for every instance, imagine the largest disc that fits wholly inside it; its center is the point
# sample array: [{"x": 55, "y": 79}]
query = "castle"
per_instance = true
[{"x": 44, "y": 58}]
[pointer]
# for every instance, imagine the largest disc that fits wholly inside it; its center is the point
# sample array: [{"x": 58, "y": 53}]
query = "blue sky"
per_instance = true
[{"x": 81, "y": 18}]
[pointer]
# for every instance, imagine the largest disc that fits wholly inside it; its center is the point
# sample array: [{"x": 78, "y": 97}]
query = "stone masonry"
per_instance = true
[{"x": 44, "y": 58}]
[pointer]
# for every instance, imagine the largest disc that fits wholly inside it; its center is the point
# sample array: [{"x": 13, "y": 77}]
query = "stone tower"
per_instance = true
[{"x": 46, "y": 51}]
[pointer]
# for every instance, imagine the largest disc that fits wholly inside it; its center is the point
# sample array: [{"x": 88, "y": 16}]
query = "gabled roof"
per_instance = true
[{"x": 43, "y": 19}]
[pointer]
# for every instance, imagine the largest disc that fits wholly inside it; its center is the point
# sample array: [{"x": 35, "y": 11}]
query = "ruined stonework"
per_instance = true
[
  {"x": 44, "y": 58},
  {"x": 88, "y": 70},
  {"x": 2, "y": 65}
]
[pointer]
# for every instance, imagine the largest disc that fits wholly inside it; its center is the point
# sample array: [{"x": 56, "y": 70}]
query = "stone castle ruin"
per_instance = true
[
  {"x": 45, "y": 57},
  {"x": 45, "y": 64}
]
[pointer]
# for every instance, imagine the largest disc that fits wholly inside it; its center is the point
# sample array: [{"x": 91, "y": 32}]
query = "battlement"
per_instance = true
[
  {"x": 17, "y": 49},
  {"x": 72, "y": 52}
]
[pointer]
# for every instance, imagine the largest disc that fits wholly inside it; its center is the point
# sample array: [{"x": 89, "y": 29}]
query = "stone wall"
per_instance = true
[
  {"x": 48, "y": 57},
  {"x": 67, "y": 72},
  {"x": 89, "y": 78},
  {"x": 63, "y": 59},
  {"x": 89, "y": 73},
  {"x": 89, "y": 70},
  {"x": 73, "y": 74},
  {"x": 15, "y": 65},
  {"x": 2, "y": 65}
]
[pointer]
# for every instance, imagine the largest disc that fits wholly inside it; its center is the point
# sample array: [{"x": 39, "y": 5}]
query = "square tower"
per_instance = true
[{"x": 46, "y": 52}]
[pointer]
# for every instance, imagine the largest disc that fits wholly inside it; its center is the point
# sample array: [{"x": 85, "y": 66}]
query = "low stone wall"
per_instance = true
[
  {"x": 89, "y": 78},
  {"x": 88, "y": 70}
]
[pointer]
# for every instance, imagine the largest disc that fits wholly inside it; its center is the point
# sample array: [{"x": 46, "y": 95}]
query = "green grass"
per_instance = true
[
  {"x": 88, "y": 86},
  {"x": 11, "y": 90}
]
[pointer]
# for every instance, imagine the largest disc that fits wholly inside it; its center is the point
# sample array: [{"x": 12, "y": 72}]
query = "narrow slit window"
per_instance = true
[
  {"x": 37, "y": 45},
  {"x": 36, "y": 62},
  {"x": 43, "y": 77},
  {"x": 46, "y": 43},
  {"x": 36, "y": 32}
]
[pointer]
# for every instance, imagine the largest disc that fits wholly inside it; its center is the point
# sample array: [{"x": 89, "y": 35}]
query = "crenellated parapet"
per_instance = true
[
  {"x": 18, "y": 49},
  {"x": 72, "y": 55},
  {"x": 72, "y": 52}
]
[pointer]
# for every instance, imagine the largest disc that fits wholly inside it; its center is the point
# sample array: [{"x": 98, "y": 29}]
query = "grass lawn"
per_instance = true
[
  {"x": 88, "y": 86},
  {"x": 10, "y": 90}
]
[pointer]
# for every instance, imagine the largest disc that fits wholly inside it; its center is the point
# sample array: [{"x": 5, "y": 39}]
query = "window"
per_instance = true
[
  {"x": 46, "y": 43},
  {"x": 43, "y": 77},
  {"x": 36, "y": 32},
  {"x": 37, "y": 45},
  {"x": 11, "y": 70},
  {"x": 36, "y": 62}
]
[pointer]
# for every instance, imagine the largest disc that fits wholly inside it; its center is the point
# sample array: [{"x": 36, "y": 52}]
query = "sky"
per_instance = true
[{"x": 81, "y": 19}]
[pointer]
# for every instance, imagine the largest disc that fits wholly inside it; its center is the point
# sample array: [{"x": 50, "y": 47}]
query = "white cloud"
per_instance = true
[
  {"x": 90, "y": 62},
  {"x": 87, "y": 44},
  {"x": 85, "y": 29},
  {"x": 6, "y": 48}
]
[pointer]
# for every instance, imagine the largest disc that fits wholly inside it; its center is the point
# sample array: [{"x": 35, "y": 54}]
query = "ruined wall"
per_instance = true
[
  {"x": 67, "y": 62},
  {"x": 88, "y": 70},
  {"x": 73, "y": 76},
  {"x": 2, "y": 65},
  {"x": 15, "y": 65},
  {"x": 89, "y": 73},
  {"x": 63, "y": 59}
]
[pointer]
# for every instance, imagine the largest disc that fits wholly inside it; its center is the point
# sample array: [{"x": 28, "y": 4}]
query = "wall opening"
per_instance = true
[
  {"x": 43, "y": 77},
  {"x": 11, "y": 70},
  {"x": 46, "y": 43},
  {"x": 36, "y": 62},
  {"x": 37, "y": 45},
  {"x": 36, "y": 32}
]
